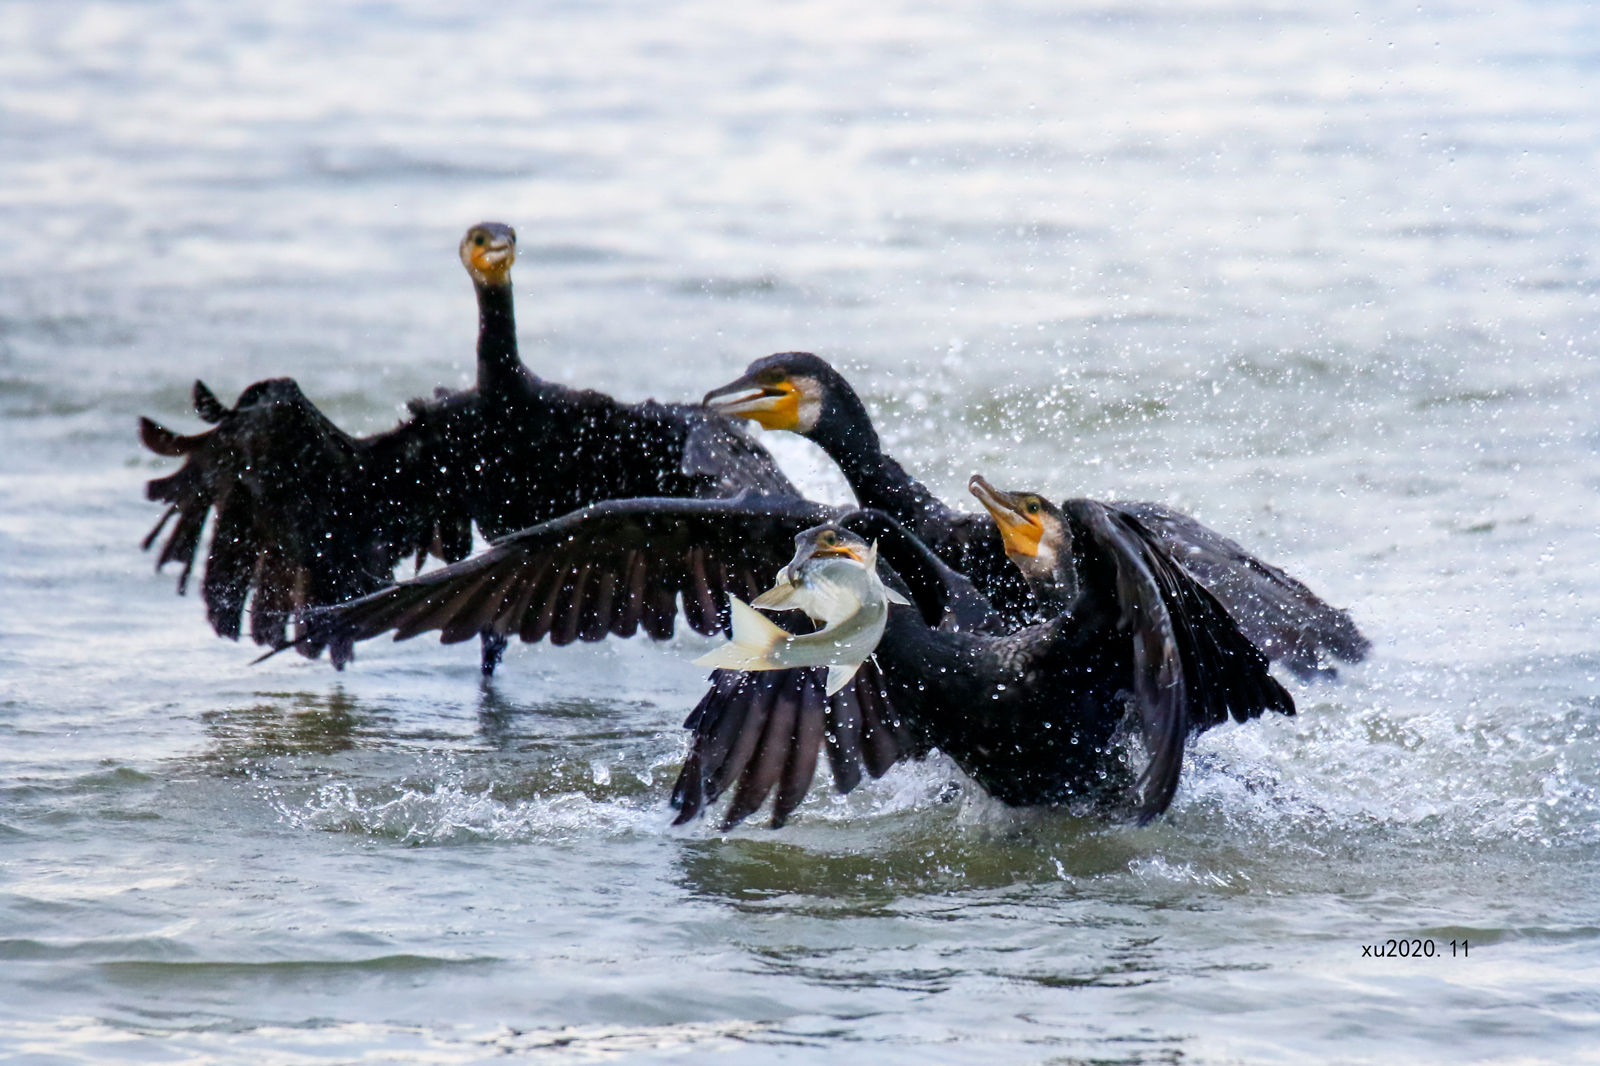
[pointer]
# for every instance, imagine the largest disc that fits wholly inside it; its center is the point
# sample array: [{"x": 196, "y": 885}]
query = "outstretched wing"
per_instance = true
[
  {"x": 1193, "y": 668},
  {"x": 763, "y": 731},
  {"x": 304, "y": 513},
  {"x": 1282, "y": 617},
  {"x": 611, "y": 567},
  {"x": 621, "y": 565}
]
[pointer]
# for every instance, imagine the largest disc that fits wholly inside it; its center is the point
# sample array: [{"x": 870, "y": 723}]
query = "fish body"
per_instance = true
[{"x": 841, "y": 591}]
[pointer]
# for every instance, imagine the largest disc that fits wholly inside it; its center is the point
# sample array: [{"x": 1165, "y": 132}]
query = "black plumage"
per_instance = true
[
  {"x": 307, "y": 514},
  {"x": 304, "y": 513},
  {"x": 1035, "y": 716}
]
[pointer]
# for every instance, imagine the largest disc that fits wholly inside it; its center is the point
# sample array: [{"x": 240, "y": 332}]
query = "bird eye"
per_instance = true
[
  {"x": 480, "y": 240},
  {"x": 1033, "y": 506}
]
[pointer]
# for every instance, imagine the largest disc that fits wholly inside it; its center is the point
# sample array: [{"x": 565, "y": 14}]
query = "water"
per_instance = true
[{"x": 1325, "y": 278}]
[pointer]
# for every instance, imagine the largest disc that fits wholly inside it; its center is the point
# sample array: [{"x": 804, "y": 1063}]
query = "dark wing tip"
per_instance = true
[
  {"x": 162, "y": 440},
  {"x": 764, "y": 733},
  {"x": 1195, "y": 666},
  {"x": 1354, "y": 647},
  {"x": 1274, "y": 610},
  {"x": 206, "y": 405}
]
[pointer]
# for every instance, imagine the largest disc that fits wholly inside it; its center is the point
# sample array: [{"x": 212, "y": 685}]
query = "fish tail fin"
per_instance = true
[
  {"x": 754, "y": 640},
  {"x": 839, "y": 676}
]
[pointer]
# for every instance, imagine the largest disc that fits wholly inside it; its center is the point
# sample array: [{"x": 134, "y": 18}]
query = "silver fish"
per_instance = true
[{"x": 834, "y": 579}]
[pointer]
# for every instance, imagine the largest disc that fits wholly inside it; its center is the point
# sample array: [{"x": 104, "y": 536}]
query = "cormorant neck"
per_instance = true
[
  {"x": 879, "y": 481},
  {"x": 845, "y": 432},
  {"x": 1056, "y": 592},
  {"x": 498, "y": 362}
]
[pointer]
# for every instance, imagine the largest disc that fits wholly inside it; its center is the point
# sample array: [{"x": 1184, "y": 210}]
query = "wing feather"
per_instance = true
[
  {"x": 608, "y": 568},
  {"x": 1192, "y": 665},
  {"x": 565, "y": 631},
  {"x": 766, "y": 764},
  {"x": 466, "y": 608},
  {"x": 305, "y": 514},
  {"x": 769, "y": 728},
  {"x": 1277, "y": 613},
  {"x": 745, "y": 724},
  {"x": 637, "y": 571},
  {"x": 845, "y": 756},
  {"x": 801, "y": 766},
  {"x": 880, "y": 740}
]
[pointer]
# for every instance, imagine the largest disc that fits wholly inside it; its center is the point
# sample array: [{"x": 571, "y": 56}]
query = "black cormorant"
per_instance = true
[
  {"x": 1037, "y": 716},
  {"x": 308, "y": 515},
  {"x": 802, "y": 393}
]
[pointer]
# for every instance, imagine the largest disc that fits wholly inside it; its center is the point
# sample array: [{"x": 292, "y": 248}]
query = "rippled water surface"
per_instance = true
[{"x": 1325, "y": 277}]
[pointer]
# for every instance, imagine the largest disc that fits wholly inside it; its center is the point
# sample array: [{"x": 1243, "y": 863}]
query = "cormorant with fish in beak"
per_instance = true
[{"x": 1039, "y": 716}]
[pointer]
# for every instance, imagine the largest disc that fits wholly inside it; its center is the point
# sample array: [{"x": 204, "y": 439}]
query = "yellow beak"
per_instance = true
[
  {"x": 490, "y": 263},
  {"x": 774, "y": 406},
  {"x": 1020, "y": 530}
]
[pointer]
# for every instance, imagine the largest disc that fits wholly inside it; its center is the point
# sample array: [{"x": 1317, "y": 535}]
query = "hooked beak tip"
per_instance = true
[
  {"x": 991, "y": 497},
  {"x": 732, "y": 388}
]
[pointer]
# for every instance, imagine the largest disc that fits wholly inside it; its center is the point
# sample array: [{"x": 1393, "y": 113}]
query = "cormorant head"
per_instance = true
[
  {"x": 1035, "y": 533},
  {"x": 826, "y": 541},
  {"x": 487, "y": 251},
  {"x": 831, "y": 542},
  {"x": 799, "y": 392}
]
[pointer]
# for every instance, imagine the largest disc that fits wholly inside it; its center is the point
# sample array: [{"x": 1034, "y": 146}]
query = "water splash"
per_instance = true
[{"x": 450, "y": 811}]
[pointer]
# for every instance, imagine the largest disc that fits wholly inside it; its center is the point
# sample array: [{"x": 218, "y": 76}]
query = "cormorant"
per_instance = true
[
  {"x": 308, "y": 515},
  {"x": 1032, "y": 715},
  {"x": 1037, "y": 716},
  {"x": 802, "y": 393}
]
